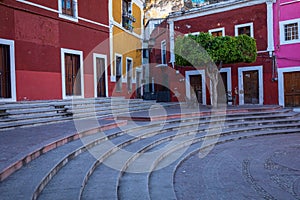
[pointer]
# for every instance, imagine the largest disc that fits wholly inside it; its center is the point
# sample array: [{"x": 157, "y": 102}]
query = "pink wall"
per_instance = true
[{"x": 287, "y": 54}]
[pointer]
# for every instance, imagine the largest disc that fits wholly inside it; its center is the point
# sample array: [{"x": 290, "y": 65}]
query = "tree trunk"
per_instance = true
[{"x": 213, "y": 74}]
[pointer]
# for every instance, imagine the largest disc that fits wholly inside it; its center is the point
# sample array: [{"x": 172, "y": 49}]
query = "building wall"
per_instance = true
[
  {"x": 40, "y": 34},
  {"x": 225, "y": 17},
  {"x": 287, "y": 56},
  {"x": 127, "y": 44}
]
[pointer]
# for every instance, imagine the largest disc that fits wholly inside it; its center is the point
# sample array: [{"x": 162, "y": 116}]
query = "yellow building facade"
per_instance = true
[{"x": 126, "y": 37}]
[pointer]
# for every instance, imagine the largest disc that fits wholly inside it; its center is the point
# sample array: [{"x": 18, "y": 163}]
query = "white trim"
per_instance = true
[
  {"x": 57, "y": 11},
  {"x": 115, "y": 66},
  {"x": 37, "y": 5},
  {"x": 270, "y": 27},
  {"x": 138, "y": 70},
  {"x": 193, "y": 33},
  {"x": 172, "y": 42},
  {"x": 260, "y": 83},
  {"x": 290, "y": 2},
  {"x": 217, "y": 30},
  {"x": 236, "y": 27},
  {"x": 68, "y": 17},
  {"x": 188, "y": 86},
  {"x": 213, "y": 9},
  {"x": 76, "y": 52},
  {"x": 93, "y": 22},
  {"x": 11, "y": 45},
  {"x": 131, "y": 71},
  {"x": 121, "y": 78},
  {"x": 282, "y": 33},
  {"x": 163, "y": 44},
  {"x": 95, "y": 56},
  {"x": 281, "y": 82},
  {"x": 228, "y": 71}
]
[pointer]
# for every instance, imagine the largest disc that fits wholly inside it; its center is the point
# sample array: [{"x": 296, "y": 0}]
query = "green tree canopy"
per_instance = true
[{"x": 200, "y": 50}]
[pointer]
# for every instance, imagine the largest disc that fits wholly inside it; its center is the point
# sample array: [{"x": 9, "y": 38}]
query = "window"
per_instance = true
[
  {"x": 129, "y": 74},
  {"x": 118, "y": 73},
  {"x": 163, "y": 52},
  {"x": 72, "y": 73},
  {"x": 127, "y": 17},
  {"x": 217, "y": 32},
  {"x": 68, "y": 9},
  {"x": 246, "y": 29},
  {"x": 289, "y": 31}
]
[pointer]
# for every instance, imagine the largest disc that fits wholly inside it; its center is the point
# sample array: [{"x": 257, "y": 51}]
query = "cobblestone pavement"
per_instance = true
[{"x": 257, "y": 168}]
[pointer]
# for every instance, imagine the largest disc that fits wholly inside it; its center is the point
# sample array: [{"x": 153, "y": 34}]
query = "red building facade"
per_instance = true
[
  {"x": 254, "y": 83},
  {"x": 54, "y": 49}
]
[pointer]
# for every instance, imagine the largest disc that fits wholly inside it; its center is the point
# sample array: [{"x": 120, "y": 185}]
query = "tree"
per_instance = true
[{"x": 205, "y": 50}]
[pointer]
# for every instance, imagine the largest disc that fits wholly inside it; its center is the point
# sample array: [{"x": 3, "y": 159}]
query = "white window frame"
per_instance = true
[
  {"x": 188, "y": 85},
  {"x": 282, "y": 33},
  {"x": 217, "y": 30},
  {"x": 68, "y": 17},
  {"x": 236, "y": 27},
  {"x": 193, "y": 33},
  {"x": 95, "y": 56},
  {"x": 163, "y": 45},
  {"x": 260, "y": 83},
  {"x": 63, "y": 72},
  {"x": 11, "y": 45}
]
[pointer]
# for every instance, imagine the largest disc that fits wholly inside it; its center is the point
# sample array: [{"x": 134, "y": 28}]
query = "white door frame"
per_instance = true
[
  {"x": 140, "y": 71},
  {"x": 11, "y": 45},
  {"x": 76, "y": 52},
  {"x": 188, "y": 86},
  {"x": 229, "y": 85},
  {"x": 260, "y": 83},
  {"x": 95, "y": 56},
  {"x": 281, "y": 82}
]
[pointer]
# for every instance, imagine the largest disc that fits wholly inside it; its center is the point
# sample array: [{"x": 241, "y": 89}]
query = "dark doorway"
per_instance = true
[{"x": 5, "y": 74}]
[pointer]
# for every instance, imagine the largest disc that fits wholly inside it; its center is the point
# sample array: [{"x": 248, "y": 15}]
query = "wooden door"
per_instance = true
[
  {"x": 251, "y": 90},
  {"x": 72, "y": 75},
  {"x": 222, "y": 88},
  {"x": 101, "y": 82},
  {"x": 196, "y": 87},
  {"x": 292, "y": 89},
  {"x": 5, "y": 75}
]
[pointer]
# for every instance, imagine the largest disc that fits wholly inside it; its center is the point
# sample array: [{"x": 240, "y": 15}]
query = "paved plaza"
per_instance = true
[{"x": 241, "y": 152}]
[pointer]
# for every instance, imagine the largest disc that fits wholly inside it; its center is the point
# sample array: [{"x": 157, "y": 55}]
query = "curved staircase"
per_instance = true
[{"x": 140, "y": 160}]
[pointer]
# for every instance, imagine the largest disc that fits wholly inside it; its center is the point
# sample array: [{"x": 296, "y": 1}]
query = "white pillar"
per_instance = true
[
  {"x": 172, "y": 43},
  {"x": 270, "y": 26}
]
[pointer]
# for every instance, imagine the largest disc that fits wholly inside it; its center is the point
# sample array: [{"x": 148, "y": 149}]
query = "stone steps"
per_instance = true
[
  {"x": 44, "y": 112},
  {"x": 102, "y": 165}
]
